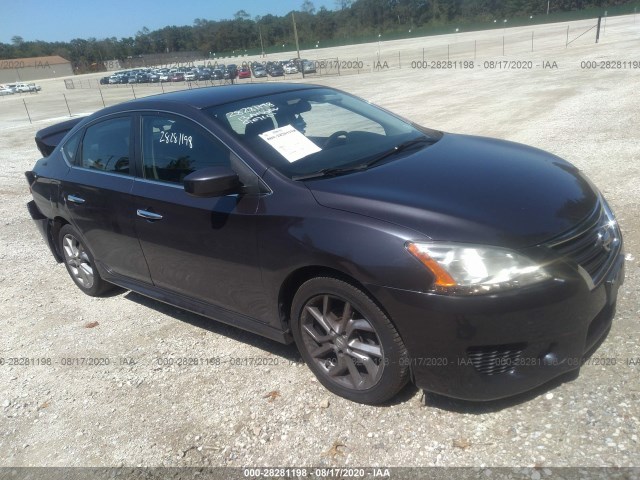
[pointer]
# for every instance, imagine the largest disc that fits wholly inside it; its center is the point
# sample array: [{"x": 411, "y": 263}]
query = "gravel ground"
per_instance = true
[{"x": 223, "y": 412}]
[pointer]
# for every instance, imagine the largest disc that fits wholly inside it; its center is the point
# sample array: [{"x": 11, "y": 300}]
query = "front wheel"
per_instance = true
[
  {"x": 80, "y": 263},
  {"x": 348, "y": 342}
]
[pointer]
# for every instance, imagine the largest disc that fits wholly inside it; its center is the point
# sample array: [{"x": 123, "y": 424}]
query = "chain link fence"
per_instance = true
[{"x": 519, "y": 49}]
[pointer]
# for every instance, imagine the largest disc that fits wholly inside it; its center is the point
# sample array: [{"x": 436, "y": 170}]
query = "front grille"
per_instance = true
[
  {"x": 594, "y": 246},
  {"x": 495, "y": 359}
]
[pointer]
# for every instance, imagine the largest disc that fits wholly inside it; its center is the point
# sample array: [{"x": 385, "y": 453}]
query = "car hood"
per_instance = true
[{"x": 468, "y": 189}]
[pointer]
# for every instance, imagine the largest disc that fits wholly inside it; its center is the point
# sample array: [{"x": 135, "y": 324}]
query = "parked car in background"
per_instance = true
[
  {"x": 244, "y": 72},
  {"x": 290, "y": 68},
  {"x": 191, "y": 76},
  {"x": 5, "y": 91},
  {"x": 176, "y": 77},
  {"x": 476, "y": 268},
  {"x": 308, "y": 67},
  {"x": 204, "y": 74},
  {"x": 104, "y": 81},
  {"x": 259, "y": 71},
  {"x": 276, "y": 70},
  {"x": 23, "y": 88},
  {"x": 231, "y": 72}
]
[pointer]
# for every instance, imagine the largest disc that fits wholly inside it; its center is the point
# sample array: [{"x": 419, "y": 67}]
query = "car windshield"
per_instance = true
[{"x": 319, "y": 132}]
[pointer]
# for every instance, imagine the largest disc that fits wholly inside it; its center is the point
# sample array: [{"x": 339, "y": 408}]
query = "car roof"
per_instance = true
[
  {"x": 211, "y": 96},
  {"x": 201, "y": 98}
]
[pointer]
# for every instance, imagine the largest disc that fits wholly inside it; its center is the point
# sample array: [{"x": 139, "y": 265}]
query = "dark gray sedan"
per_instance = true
[{"x": 387, "y": 251}]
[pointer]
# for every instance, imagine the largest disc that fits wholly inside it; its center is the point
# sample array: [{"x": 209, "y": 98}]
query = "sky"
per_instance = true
[{"x": 63, "y": 20}]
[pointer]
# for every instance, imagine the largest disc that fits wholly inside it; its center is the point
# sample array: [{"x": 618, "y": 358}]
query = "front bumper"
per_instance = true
[{"x": 495, "y": 346}]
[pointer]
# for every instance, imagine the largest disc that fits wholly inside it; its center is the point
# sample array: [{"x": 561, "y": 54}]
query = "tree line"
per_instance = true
[{"x": 350, "y": 20}]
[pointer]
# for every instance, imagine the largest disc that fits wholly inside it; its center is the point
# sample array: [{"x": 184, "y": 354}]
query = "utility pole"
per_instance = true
[
  {"x": 295, "y": 33},
  {"x": 548, "y": 2}
]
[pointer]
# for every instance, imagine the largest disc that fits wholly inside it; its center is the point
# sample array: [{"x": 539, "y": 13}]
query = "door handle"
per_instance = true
[
  {"x": 74, "y": 199},
  {"x": 149, "y": 215}
]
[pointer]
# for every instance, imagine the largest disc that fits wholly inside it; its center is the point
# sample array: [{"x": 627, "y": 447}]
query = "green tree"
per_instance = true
[{"x": 308, "y": 7}]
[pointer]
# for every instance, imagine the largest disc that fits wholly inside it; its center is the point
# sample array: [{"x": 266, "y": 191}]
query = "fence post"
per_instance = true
[
  {"x": 475, "y": 49},
  {"x": 134, "y": 92},
  {"x": 100, "y": 90},
  {"x": 65, "y": 101},
  {"x": 567, "y": 44},
  {"x": 532, "y": 41},
  {"x": 399, "y": 63},
  {"x": 503, "y": 45},
  {"x": 598, "y": 31},
  {"x": 25, "y": 107},
  {"x": 447, "y": 52}
]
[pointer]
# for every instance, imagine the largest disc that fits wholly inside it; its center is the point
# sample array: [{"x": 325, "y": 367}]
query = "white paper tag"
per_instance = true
[{"x": 290, "y": 143}]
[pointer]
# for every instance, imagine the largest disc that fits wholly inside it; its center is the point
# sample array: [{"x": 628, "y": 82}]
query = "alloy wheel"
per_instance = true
[
  {"x": 78, "y": 261},
  {"x": 342, "y": 342}
]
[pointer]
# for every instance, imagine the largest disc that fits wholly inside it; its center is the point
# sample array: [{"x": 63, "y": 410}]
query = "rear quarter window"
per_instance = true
[{"x": 70, "y": 148}]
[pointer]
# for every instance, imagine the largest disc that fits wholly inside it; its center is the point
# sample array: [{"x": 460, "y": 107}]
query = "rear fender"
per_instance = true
[{"x": 49, "y": 229}]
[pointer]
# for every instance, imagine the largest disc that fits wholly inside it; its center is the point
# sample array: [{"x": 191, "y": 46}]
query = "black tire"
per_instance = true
[
  {"x": 348, "y": 342},
  {"x": 80, "y": 263}
]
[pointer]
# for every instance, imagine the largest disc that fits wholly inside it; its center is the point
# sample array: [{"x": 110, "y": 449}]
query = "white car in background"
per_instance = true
[
  {"x": 290, "y": 68},
  {"x": 6, "y": 91},
  {"x": 23, "y": 88}
]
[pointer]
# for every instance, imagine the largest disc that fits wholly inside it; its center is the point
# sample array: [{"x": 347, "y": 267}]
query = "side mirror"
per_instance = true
[{"x": 212, "y": 182}]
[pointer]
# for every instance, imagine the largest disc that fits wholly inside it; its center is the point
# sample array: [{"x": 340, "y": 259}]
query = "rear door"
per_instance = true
[{"x": 97, "y": 195}]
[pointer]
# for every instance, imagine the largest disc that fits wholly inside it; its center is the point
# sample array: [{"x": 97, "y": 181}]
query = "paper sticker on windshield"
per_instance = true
[{"x": 290, "y": 143}]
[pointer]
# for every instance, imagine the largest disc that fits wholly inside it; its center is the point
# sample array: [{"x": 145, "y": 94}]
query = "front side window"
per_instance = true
[
  {"x": 106, "y": 145},
  {"x": 173, "y": 147}
]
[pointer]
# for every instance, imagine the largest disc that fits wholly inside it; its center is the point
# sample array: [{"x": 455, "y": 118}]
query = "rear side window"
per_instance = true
[
  {"x": 106, "y": 146},
  {"x": 173, "y": 147}
]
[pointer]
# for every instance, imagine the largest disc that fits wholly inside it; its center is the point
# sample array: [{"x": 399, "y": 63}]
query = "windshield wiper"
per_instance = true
[
  {"x": 396, "y": 149},
  {"x": 330, "y": 172}
]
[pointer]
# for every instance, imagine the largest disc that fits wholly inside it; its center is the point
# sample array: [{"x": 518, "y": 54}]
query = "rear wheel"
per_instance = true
[
  {"x": 80, "y": 263},
  {"x": 348, "y": 342}
]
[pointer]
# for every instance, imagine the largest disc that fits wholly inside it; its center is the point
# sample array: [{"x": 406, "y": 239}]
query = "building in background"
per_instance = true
[{"x": 36, "y": 68}]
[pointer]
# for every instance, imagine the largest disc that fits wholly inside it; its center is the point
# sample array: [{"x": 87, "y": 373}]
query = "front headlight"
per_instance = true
[{"x": 476, "y": 270}]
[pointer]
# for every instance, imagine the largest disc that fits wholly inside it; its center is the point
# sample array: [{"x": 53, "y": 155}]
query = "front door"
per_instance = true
[{"x": 203, "y": 248}]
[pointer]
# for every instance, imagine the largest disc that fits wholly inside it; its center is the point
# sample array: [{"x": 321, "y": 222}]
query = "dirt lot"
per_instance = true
[{"x": 136, "y": 411}]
